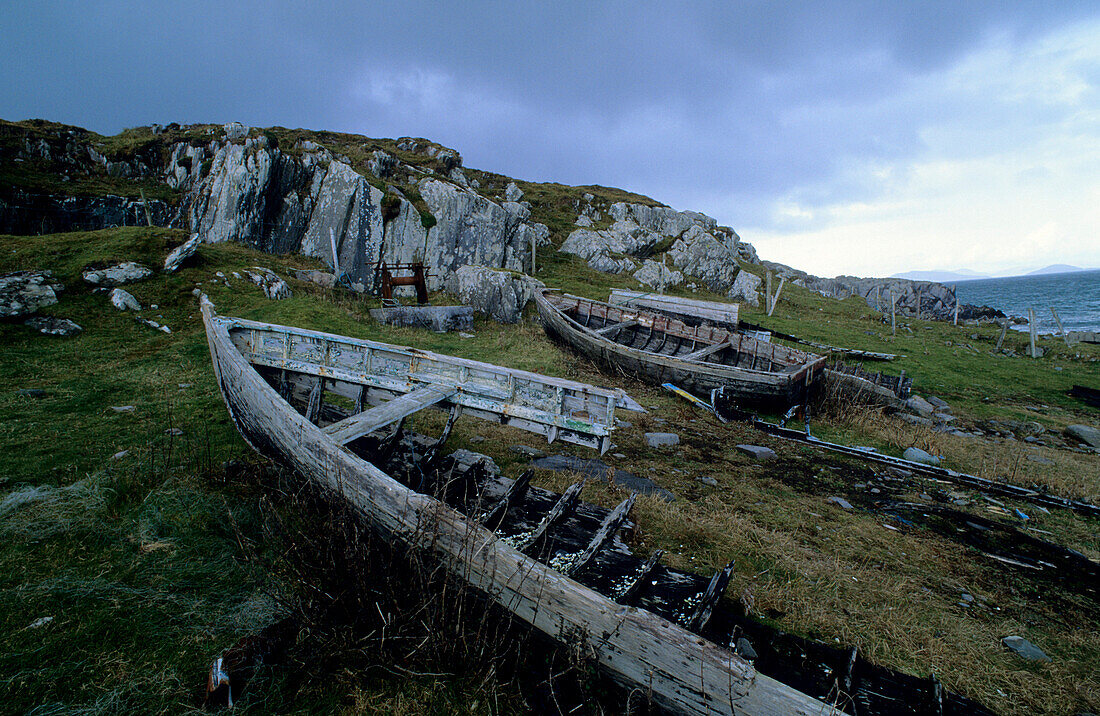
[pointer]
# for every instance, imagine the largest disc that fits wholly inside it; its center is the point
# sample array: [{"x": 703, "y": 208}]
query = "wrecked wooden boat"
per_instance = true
[
  {"x": 275, "y": 380},
  {"x": 665, "y": 349}
]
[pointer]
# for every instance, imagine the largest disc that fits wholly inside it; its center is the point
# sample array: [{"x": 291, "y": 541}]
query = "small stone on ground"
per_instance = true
[
  {"x": 527, "y": 451},
  {"x": 915, "y": 454},
  {"x": 757, "y": 452},
  {"x": 661, "y": 439},
  {"x": 840, "y": 501},
  {"x": 708, "y": 481},
  {"x": 1024, "y": 648},
  {"x": 47, "y": 325}
]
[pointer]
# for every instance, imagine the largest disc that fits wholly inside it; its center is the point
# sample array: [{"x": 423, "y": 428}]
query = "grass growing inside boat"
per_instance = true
[{"x": 146, "y": 563}]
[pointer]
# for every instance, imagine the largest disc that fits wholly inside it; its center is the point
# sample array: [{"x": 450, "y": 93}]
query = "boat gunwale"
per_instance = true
[{"x": 583, "y": 388}]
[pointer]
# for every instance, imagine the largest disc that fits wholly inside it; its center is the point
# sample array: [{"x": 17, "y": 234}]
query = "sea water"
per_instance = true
[{"x": 1075, "y": 296}]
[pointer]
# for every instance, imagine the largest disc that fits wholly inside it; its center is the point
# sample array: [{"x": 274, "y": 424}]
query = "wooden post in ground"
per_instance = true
[
  {"x": 1004, "y": 330},
  {"x": 148, "y": 216},
  {"x": 532, "y": 253},
  {"x": 919, "y": 296},
  {"x": 878, "y": 298},
  {"x": 779, "y": 290},
  {"x": 768, "y": 293},
  {"x": 955, "y": 295},
  {"x": 893, "y": 325},
  {"x": 1061, "y": 330},
  {"x": 1031, "y": 330}
]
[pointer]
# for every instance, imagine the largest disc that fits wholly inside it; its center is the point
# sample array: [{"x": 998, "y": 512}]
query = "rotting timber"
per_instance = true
[
  {"x": 552, "y": 561},
  {"x": 697, "y": 358},
  {"x": 683, "y": 671}
]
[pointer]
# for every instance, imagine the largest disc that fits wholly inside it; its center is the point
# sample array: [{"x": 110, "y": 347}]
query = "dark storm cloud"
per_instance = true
[{"x": 699, "y": 105}]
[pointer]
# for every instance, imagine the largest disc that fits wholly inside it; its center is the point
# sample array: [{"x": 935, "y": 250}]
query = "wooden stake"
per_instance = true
[
  {"x": 768, "y": 293},
  {"x": 893, "y": 325},
  {"x": 532, "y": 253},
  {"x": 1004, "y": 330},
  {"x": 148, "y": 216},
  {"x": 954, "y": 292},
  {"x": 775, "y": 299},
  {"x": 1031, "y": 329},
  {"x": 1061, "y": 330}
]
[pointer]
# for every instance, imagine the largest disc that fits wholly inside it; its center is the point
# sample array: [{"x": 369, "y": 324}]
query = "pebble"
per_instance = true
[
  {"x": 744, "y": 649},
  {"x": 462, "y": 334},
  {"x": 31, "y": 393},
  {"x": 40, "y": 622},
  {"x": 120, "y": 454},
  {"x": 708, "y": 481},
  {"x": 840, "y": 501},
  {"x": 619, "y": 455},
  {"x": 122, "y": 408},
  {"x": 477, "y": 439},
  {"x": 184, "y": 385},
  {"x": 173, "y": 431}
]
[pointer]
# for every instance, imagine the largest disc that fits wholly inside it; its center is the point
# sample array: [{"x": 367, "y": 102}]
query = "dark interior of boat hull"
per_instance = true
[{"x": 565, "y": 533}]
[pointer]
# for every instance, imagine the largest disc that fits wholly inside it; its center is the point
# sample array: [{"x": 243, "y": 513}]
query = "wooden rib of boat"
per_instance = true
[
  {"x": 664, "y": 349},
  {"x": 262, "y": 369}
]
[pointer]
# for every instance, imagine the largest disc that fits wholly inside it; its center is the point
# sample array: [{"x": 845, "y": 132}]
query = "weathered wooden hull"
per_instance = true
[
  {"x": 681, "y": 670},
  {"x": 696, "y": 376}
]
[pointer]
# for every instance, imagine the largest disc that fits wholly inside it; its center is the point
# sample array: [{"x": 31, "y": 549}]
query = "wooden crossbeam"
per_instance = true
[
  {"x": 704, "y": 352},
  {"x": 560, "y": 511},
  {"x": 709, "y": 598},
  {"x": 387, "y": 413},
  {"x": 614, "y": 327}
]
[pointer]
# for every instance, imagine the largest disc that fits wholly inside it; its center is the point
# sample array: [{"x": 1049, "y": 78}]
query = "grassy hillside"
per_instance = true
[{"x": 153, "y": 562}]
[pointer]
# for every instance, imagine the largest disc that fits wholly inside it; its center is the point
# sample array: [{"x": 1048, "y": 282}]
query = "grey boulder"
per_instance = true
[
  {"x": 119, "y": 275},
  {"x": 501, "y": 295},
  {"x": 920, "y": 406},
  {"x": 53, "y": 326},
  {"x": 512, "y": 192},
  {"x": 181, "y": 253},
  {"x": 745, "y": 288},
  {"x": 656, "y": 275},
  {"x": 25, "y": 292},
  {"x": 269, "y": 282},
  {"x": 124, "y": 300},
  {"x": 1084, "y": 433}
]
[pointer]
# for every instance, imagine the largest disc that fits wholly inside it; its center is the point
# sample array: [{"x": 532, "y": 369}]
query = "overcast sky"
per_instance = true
[{"x": 861, "y": 138}]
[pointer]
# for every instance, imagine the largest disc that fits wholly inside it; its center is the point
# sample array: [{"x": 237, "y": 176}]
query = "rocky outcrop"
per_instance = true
[
  {"x": 657, "y": 275},
  {"x": 25, "y": 292},
  {"x": 472, "y": 230},
  {"x": 701, "y": 249},
  {"x": 700, "y": 255},
  {"x": 23, "y": 212},
  {"x": 50, "y": 326},
  {"x": 746, "y": 287},
  {"x": 269, "y": 282},
  {"x": 501, "y": 295}
]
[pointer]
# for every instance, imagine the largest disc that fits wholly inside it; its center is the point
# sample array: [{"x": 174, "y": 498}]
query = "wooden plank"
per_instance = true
[
  {"x": 561, "y": 509},
  {"x": 492, "y": 517},
  {"x": 704, "y": 352},
  {"x": 614, "y": 327},
  {"x": 709, "y": 598},
  {"x": 387, "y": 413},
  {"x": 607, "y": 531},
  {"x": 720, "y": 314}
]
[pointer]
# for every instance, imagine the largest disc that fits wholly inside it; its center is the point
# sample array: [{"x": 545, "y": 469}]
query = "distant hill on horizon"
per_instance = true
[
  {"x": 941, "y": 276},
  {"x": 1055, "y": 268}
]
